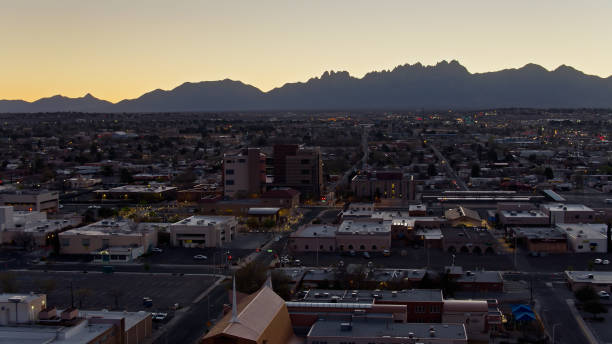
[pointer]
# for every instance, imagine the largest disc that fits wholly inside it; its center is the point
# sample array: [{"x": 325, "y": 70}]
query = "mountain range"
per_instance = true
[{"x": 442, "y": 86}]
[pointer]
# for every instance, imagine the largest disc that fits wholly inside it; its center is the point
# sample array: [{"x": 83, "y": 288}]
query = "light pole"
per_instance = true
[
  {"x": 453, "y": 262},
  {"x": 515, "y": 248}
]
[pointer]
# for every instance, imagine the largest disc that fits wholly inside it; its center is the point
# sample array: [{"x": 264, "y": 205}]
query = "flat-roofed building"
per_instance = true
[
  {"x": 203, "y": 231},
  {"x": 20, "y": 308},
  {"x": 585, "y": 237},
  {"x": 480, "y": 317},
  {"x": 311, "y": 238},
  {"x": 363, "y": 235},
  {"x": 384, "y": 184},
  {"x": 366, "y": 330},
  {"x": 541, "y": 239},
  {"x": 15, "y": 224},
  {"x": 105, "y": 234},
  {"x": 300, "y": 168},
  {"x": 150, "y": 192},
  {"x": 244, "y": 172},
  {"x": 568, "y": 213},
  {"x": 468, "y": 240},
  {"x": 598, "y": 280},
  {"x": 31, "y": 200},
  {"x": 523, "y": 218}
]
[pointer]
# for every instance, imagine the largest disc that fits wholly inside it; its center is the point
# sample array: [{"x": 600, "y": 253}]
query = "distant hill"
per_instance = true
[{"x": 445, "y": 85}]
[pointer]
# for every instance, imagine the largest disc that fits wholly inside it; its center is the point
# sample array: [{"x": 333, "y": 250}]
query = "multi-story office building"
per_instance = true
[
  {"x": 203, "y": 231},
  {"x": 384, "y": 184},
  {"x": 244, "y": 173},
  {"x": 300, "y": 168},
  {"x": 21, "y": 200}
]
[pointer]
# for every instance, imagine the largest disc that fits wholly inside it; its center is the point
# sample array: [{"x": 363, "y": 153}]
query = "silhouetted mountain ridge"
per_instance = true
[{"x": 441, "y": 86}]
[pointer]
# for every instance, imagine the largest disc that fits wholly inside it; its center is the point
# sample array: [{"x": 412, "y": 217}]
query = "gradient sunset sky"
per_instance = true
[{"x": 118, "y": 49}]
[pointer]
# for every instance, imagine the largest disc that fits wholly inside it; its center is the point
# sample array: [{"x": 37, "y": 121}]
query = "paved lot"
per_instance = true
[
  {"x": 601, "y": 329},
  {"x": 164, "y": 289},
  {"x": 184, "y": 256}
]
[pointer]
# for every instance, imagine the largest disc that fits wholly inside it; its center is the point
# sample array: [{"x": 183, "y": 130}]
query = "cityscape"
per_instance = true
[{"x": 424, "y": 203}]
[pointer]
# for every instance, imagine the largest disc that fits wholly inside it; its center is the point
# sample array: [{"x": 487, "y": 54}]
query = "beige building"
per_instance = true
[
  {"x": 20, "y": 308},
  {"x": 22, "y": 200},
  {"x": 203, "y": 231},
  {"x": 13, "y": 224},
  {"x": 109, "y": 233},
  {"x": 244, "y": 173}
]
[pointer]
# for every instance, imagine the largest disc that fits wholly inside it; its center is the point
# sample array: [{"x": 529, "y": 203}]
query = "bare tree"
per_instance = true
[
  {"x": 24, "y": 240},
  {"x": 8, "y": 282},
  {"x": 82, "y": 294},
  {"x": 116, "y": 295}
]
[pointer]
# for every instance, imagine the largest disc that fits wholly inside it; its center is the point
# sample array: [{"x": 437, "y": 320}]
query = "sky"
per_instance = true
[{"x": 117, "y": 49}]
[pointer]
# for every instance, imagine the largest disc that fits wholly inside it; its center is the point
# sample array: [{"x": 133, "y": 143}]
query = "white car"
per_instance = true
[
  {"x": 200, "y": 257},
  {"x": 597, "y": 261},
  {"x": 159, "y": 316},
  {"x": 157, "y": 250},
  {"x": 604, "y": 295},
  {"x": 605, "y": 262}
]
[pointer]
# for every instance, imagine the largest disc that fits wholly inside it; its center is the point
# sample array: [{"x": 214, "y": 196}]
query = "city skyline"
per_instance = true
[{"x": 119, "y": 51}]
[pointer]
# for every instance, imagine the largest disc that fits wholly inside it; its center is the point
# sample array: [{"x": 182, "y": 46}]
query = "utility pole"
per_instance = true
[{"x": 515, "y": 248}]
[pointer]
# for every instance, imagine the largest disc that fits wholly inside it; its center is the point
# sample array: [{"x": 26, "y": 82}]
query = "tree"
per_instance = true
[
  {"x": 281, "y": 284},
  {"x": 594, "y": 307},
  {"x": 548, "y": 172},
  {"x": 8, "y": 281},
  {"x": 251, "y": 277},
  {"x": 24, "y": 240},
  {"x": 586, "y": 294},
  {"x": 475, "y": 171},
  {"x": 432, "y": 170},
  {"x": 107, "y": 170}
]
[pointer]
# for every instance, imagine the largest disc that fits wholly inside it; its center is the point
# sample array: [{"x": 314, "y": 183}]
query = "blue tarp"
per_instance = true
[{"x": 523, "y": 313}]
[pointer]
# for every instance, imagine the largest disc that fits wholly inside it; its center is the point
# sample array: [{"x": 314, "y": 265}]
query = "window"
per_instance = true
[
  {"x": 305, "y": 181},
  {"x": 305, "y": 161},
  {"x": 419, "y": 309},
  {"x": 85, "y": 242},
  {"x": 374, "y": 247},
  {"x": 229, "y": 161},
  {"x": 305, "y": 247},
  {"x": 229, "y": 182},
  {"x": 105, "y": 242},
  {"x": 305, "y": 171},
  {"x": 321, "y": 247},
  {"x": 65, "y": 242},
  {"x": 241, "y": 160},
  {"x": 362, "y": 247},
  {"x": 435, "y": 309},
  {"x": 229, "y": 172}
]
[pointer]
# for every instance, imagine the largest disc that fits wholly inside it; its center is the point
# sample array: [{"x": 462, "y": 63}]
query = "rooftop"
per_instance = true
[
  {"x": 378, "y": 328},
  {"x": 595, "y": 277},
  {"x": 201, "y": 220},
  {"x": 139, "y": 189},
  {"x": 310, "y": 231},
  {"x": 111, "y": 227},
  {"x": 565, "y": 207},
  {"x": 32, "y": 334},
  {"x": 364, "y": 227},
  {"x": 584, "y": 230},
  {"x": 539, "y": 233},
  {"x": 523, "y": 214},
  {"x": 367, "y": 296}
]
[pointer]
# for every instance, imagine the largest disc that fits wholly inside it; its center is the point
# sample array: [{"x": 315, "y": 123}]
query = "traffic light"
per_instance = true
[
  {"x": 257, "y": 250},
  {"x": 229, "y": 257}
]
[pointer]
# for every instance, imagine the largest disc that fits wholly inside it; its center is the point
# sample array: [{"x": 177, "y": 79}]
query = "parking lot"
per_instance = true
[{"x": 97, "y": 291}]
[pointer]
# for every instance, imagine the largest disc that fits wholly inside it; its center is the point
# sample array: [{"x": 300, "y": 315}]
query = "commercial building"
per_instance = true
[
  {"x": 21, "y": 308},
  {"x": 149, "y": 193},
  {"x": 541, "y": 239},
  {"x": 244, "y": 173},
  {"x": 480, "y": 317},
  {"x": 364, "y": 330},
  {"x": 363, "y": 235},
  {"x": 31, "y": 200},
  {"x": 312, "y": 238},
  {"x": 97, "y": 238},
  {"x": 384, "y": 184},
  {"x": 300, "y": 168},
  {"x": 468, "y": 240},
  {"x": 523, "y": 218},
  {"x": 598, "y": 280},
  {"x": 14, "y": 225},
  {"x": 585, "y": 237},
  {"x": 203, "y": 231},
  {"x": 568, "y": 213}
]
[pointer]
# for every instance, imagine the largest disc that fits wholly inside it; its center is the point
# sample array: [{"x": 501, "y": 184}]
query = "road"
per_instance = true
[
  {"x": 362, "y": 163},
  {"x": 449, "y": 169}
]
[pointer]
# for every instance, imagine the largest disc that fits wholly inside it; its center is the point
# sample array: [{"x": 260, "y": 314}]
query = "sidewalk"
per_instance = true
[{"x": 583, "y": 326}]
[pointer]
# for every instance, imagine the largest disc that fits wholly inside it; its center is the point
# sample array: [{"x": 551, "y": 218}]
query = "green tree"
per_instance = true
[
  {"x": 586, "y": 294},
  {"x": 432, "y": 170}
]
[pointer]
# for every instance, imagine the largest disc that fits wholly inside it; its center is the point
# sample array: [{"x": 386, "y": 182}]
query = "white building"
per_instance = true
[
  {"x": 586, "y": 237},
  {"x": 20, "y": 308},
  {"x": 13, "y": 223},
  {"x": 203, "y": 231}
]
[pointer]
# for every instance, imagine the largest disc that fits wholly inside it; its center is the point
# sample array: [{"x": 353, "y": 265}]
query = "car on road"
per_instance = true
[
  {"x": 157, "y": 250},
  {"x": 605, "y": 262},
  {"x": 159, "y": 316},
  {"x": 200, "y": 257},
  {"x": 597, "y": 261},
  {"x": 386, "y": 253},
  {"x": 604, "y": 295},
  {"x": 352, "y": 253},
  {"x": 366, "y": 255}
]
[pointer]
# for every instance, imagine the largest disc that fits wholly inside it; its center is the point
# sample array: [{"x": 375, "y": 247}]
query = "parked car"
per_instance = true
[
  {"x": 147, "y": 302},
  {"x": 200, "y": 257},
  {"x": 605, "y": 262},
  {"x": 604, "y": 295},
  {"x": 597, "y": 261},
  {"x": 366, "y": 255},
  {"x": 352, "y": 253},
  {"x": 159, "y": 316},
  {"x": 386, "y": 253},
  {"x": 157, "y": 250}
]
